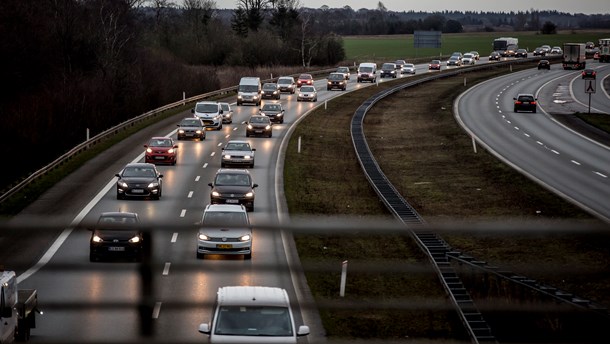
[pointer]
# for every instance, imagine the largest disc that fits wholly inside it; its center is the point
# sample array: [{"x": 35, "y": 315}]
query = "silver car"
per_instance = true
[
  {"x": 227, "y": 112},
  {"x": 407, "y": 68},
  {"x": 238, "y": 152},
  {"x": 225, "y": 229},
  {"x": 307, "y": 93}
]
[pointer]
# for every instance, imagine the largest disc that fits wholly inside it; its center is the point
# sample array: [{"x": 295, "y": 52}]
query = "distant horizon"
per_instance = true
[{"x": 566, "y": 6}]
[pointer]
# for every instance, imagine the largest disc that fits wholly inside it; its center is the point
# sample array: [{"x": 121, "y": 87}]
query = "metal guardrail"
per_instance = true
[{"x": 123, "y": 126}]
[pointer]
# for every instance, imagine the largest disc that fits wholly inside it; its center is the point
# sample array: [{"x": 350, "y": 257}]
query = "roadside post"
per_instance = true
[
  {"x": 590, "y": 89},
  {"x": 343, "y": 278}
]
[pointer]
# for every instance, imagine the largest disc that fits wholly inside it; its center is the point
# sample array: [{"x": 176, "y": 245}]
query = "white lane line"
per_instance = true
[
  {"x": 183, "y": 212},
  {"x": 219, "y": 144},
  {"x": 516, "y": 128},
  {"x": 174, "y": 238},
  {"x": 575, "y": 162},
  {"x": 205, "y": 165},
  {"x": 554, "y": 151},
  {"x": 197, "y": 178},
  {"x": 540, "y": 143},
  {"x": 526, "y": 135},
  {"x": 156, "y": 310},
  {"x": 509, "y": 122},
  {"x": 234, "y": 128},
  {"x": 600, "y": 174},
  {"x": 166, "y": 269},
  {"x": 190, "y": 195},
  {"x": 213, "y": 153},
  {"x": 228, "y": 135}
]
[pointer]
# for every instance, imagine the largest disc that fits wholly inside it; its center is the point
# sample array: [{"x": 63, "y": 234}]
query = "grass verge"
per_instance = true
[{"x": 429, "y": 158}]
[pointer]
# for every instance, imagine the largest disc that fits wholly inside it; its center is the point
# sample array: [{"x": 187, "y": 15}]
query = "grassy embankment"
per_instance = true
[{"x": 430, "y": 160}]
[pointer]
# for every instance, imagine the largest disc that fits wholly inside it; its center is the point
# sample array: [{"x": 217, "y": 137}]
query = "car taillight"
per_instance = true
[
  {"x": 518, "y": 102},
  {"x": 533, "y": 103}
]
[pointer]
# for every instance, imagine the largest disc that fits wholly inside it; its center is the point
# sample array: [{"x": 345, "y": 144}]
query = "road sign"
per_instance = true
[{"x": 589, "y": 86}]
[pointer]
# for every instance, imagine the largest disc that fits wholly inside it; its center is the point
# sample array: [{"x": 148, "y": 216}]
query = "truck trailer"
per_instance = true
[
  {"x": 604, "y": 50},
  {"x": 17, "y": 309},
  {"x": 574, "y": 56}
]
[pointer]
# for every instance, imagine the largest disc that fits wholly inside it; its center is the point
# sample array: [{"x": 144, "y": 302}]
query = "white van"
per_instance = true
[
  {"x": 252, "y": 314},
  {"x": 249, "y": 91},
  {"x": 367, "y": 71}
]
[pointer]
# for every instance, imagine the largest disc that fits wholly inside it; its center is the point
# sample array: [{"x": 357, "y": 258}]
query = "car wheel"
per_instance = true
[
  {"x": 200, "y": 255},
  {"x": 248, "y": 256},
  {"x": 247, "y": 134},
  {"x": 315, "y": 99},
  {"x": 270, "y": 134},
  {"x": 119, "y": 196},
  {"x": 252, "y": 165},
  {"x": 328, "y": 88},
  {"x": 93, "y": 257},
  {"x": 534, "y": 111},
  {"x": 515, "y": 110},
  {"x": 250, "y": 208}
]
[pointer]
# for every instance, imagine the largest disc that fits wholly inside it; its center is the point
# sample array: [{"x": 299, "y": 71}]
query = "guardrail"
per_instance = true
[{"x": 125, "y": 125}]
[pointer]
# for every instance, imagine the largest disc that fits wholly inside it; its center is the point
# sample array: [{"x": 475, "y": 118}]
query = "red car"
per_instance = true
[
  {"x": 435, "y": 64},
  {"x": 304, "y": 79},
  {"x": 161, "y": 150}
]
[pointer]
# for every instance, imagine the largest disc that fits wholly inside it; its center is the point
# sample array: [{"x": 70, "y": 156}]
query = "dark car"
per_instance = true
[
  {"x": 270, "y": 91},
  {"x": 589, "y": 73},
  {"x": 259, "y": 125},
  {"x": 435, "y": 65},
  {"x": 117, "y": 234},
  {"x": 544, "y": 64},
  {"x": 495, "y": 56},
  {"x": 336, "y": 80},
  {"x": 521, "y": 53},
  {"x": 539, "y": 51},
  {"x": 139, "y": 180},
  {"x": 525, "y": 102},
  {"x": 388, "y": 69},
  {"x": 161, "y": 150},
  {"x": 274, "y": 111},
  {"x": 233, "y": 186},
  {"x": 191, "y": 128},
  {"x": 304, "y": 79}
]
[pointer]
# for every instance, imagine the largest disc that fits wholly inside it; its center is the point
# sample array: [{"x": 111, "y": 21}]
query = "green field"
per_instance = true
[{"x": 389, "y": 48}]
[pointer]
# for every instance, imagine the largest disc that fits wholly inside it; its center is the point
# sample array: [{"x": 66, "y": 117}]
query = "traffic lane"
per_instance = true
[
  {"x": 535, "y": 144},
  {"x": 580, "y": 88}
]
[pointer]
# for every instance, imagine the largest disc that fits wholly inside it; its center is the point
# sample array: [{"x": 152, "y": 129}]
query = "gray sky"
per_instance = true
[{"x": 569, "y": 6}]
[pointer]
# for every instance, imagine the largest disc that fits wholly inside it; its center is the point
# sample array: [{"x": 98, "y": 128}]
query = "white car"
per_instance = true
[
  {"x": 237, "y": 152},
  {"x": 307, "y": 93},
  {"x": 407, "y": 68},
  {"x": 468, "y": 59},
  {"x": 344, "y": 71},
  {"x": 227, "y": 112},
  {"x": 556, "y": 51},
  {"x": 210, "y": 113},
  {"x": 225, "y": 229}
]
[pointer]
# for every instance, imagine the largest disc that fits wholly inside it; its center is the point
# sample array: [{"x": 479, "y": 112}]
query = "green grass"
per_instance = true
[{"x": 389, "y": 48}]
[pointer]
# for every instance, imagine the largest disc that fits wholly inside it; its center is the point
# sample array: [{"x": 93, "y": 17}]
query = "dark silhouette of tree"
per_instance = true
[
  {"x": 453, "y": 26},
  {"x": 548, "y": 28}
]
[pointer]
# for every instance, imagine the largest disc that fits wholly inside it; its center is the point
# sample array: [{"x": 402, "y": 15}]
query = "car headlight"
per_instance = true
[
  {"x": 239, "y": 96},
  {"x": 135, "y": 240},
  {"x": 249, "y": 194},
  {"x": 199, "y": 131},
  {"x": 246, "y": 237},
  {"x": 249, "y": 126},
  {"x": 122, "y": 184},
  {"x": 215, "y": 193},
  {"x": 181, "y": 131},
  {"x": 263, "y": 114},
  {"x": 254, "y": 97},
  {"x": 280, "y": 114},
  {"x": 267, "y": 127},
  {"x": 153, "y": 185},
  {"x": 171, "y": 151},
  {"x": 247, "y": 157},
  {"x": 148, "y": 150},
  {"x": 97, "y": 239},
  {"x": 227, "y": 156},
  {"x": 203, "y": 237}
]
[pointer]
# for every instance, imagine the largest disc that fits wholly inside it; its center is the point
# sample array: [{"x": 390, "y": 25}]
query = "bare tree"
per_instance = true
[
  {"x": 308, "y": 39},
  {"x": 199, "y": 13}
]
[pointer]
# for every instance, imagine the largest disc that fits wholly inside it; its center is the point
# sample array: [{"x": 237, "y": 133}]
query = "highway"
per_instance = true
[{"x": 567, "y": 163}]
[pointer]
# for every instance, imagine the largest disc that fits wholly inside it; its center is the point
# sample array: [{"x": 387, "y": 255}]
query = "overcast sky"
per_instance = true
[{"x": 569, "y": 6}]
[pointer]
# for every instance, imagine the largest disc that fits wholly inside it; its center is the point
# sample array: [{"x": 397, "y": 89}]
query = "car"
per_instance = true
[
  {"x": 525, "y": 102},
  {"x": 468, "y": 59},
  {"x": 546, "y": 48},
  {"x": 589, "y": 73},
  {"x": 367, "y": 71},
  {"x": 434, "y": 65},
  {"x": 399, "y": 64},
  {"x": 495, "y": 56},
  {"x": 274, "y": 111},
  {"x": 210, "y": 113},
  {"x": 336, "y": 80},
  {"x": 304, "y": 79},
  {"x": 161, "y": 150},
  {"x": 191, "y": 127},
  {"x": 308, "y": 93},
  {"x": 509, "y": 51},
  {"x": 596, "y": 55},
  {"x": 521, "y": 53},
  {"x": 589, "y": 45},
  {"x": 227, "y": 112},
  {"x": 286, "y": 84},
  {"x": 233, "y": 186},
  {"x": 270, "y": 91},
  {"x": 140, "y": 180},
  {"x": 116, "y": 234},
  {"x": 458, "y": 54},
  {"x": 388, "y": 69},
  {"x": 237, "y": 152},
  {"x": 539, "y": 51},
  {"x": 408, "y": 68},
  {"x": 345, "y": 71},
  {"x": 454, "y": 61},
  {"x": 476, "y": 55},
  {"x": 556, "y": 51},
  {"x": 544, "y": 64},
  {"x": 224, "y": 229},
  {"x": 259, "y": 125}
]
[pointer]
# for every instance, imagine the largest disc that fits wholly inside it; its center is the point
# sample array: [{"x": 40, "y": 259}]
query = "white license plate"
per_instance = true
[
  {"x": 232, "y": 201},
  {"x": 116, "y": 248},
  {"x": 159, "y": 157},
  {"x": 258, "y": 131},
  {"x": 137, "y": 191}
]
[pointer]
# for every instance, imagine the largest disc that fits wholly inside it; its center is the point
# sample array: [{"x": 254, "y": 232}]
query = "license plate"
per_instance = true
[
  {"x": 232, "y": 201},
  {"x": 159, "y": 157},
  {"x": 116, "y": 248},
  {"x": 526, "y": 103},
  {"x": 258, "y": 131},
  {"x": 224, "y": 246},
  {"x": 137, "y": 191}
]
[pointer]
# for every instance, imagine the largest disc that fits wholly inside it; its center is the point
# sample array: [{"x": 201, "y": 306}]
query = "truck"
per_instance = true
[
  {"x": 574, "y": 56},
  {"x": 604, "y": 50},
  {"x": 506, "y": 46},
  {"x": 249, "y": 90},
  {"x": 18, "y": 308}
]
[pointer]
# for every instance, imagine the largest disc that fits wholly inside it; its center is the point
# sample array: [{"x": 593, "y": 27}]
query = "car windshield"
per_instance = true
[
  {"x": 271, "y": 87},
  {"x": 117, "y": 219},
  {"x": 132, "y": 171},
  {"x": 248, "y": 88},
  {"x": 224, "y": 218},
  {"x": 342, "y": 69},
  {"x": 307, "y": 89},
  {"x": 468, "y": 56},
  {"x": 259, "y": 119},
  {"x": 305, "y": 77},
  {"x": 436, "y": 62},
  {"x": 160, "y": 143},
  {"x": 206, "y": 108},
  {"x": 410, "y": 65},
  {"x": 366, "y": 69},
  {"x": 191, "y": 123},
  {"x": 253, "y": 321},
  {"x": 235, "y": 179},
  {"x": 335, "y": 77},
  {"x": 284, "y": 81},
  {"x": 271, "y": 107},
  {"x": 241, "y": 146},
  {"x": 388, "y": 66}
]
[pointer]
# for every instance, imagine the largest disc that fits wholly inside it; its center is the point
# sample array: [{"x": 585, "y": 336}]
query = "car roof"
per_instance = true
[
  {"x": 118, "y": 214},
  {"x": 226, "y": 208},
  {"x": 233, "y": 170},
  {"x": 252, "y": 296},
  {"x": 140, "y": 164},
  {"x": 238, "y": 141}
]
